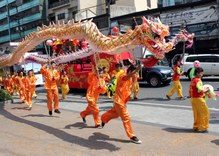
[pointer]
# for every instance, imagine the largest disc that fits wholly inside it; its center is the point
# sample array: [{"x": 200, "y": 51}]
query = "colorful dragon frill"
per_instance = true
[{"x": 151, "y": 34}]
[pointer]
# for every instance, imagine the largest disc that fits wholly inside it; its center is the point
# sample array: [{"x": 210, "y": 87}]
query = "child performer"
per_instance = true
[
  {"x": 21, "y": 86},
  {"x": 177, "y": 87},
  {"x": 121, "y": 97},
  {"x": 95, "y": 87},
  {"x": 106, "y": 77},
  {"x": 34, "y": 77},
  {"x": 15, "y": 82},
  {"x": 64, "y": 84},
  {"x": 199, "y": 106}
]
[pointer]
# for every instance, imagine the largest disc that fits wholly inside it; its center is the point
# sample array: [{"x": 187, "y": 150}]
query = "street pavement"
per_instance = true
[{"x": 164, "y": 130}]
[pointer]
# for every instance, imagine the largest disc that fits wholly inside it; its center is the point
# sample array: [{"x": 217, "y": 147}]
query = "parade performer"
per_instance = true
[
  {"x": 30, "y": 85},
  {"x": 15, "y": 82},
  {"x": 177, "y": 87},
  {"x": 106, "y": 77},
  {"x": 136, "y": 88},
  {"x": 199, "y": 106},
  {"x": 64, "y": 84},
  {"x": 115, "y": 74},
  {"x": 35, "y": 79},
  {"x": 196, "y": 64},
  {"x": 51, "y": 76},
  {"x": 95, "y": 87},
  {"x": 121, "y": 97},
  {"x": 8, "y": 85},
  {"x": 21, "y": 86}
]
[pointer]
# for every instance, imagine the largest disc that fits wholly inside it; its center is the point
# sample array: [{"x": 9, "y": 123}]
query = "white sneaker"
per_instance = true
[{"x": 135, "y": 140}]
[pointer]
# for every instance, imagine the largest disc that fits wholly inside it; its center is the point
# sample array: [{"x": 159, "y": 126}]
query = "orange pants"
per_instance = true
[
  {"x": 10, "y": 91},
  {"x": 92, "y": 110},
  {"x": 200, "y": 113},
  {"x": 136, "y": 89},
  {"x": 119, "y": 111},
  {"x": 29, "y": 95},
  {"x": 22, "y": 94},
  {"x": 52, "y": 95}
]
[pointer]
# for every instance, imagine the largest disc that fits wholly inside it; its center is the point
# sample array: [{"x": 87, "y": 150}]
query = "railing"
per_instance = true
[{"x": 57, "y": 4}]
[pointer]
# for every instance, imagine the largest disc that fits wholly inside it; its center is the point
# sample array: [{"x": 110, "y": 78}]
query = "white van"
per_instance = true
[{"x": 209, "y": 62}]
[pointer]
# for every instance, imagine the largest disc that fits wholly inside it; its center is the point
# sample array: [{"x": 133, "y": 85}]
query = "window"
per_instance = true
[{"x": 61, "y": 16}]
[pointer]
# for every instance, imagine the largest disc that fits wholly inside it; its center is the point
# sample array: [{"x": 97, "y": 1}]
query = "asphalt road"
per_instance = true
[{"x": 152, "y": 107}]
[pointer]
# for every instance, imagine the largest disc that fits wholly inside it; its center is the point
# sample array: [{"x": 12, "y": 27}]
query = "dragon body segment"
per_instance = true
[{"x": 151, "y": 34}]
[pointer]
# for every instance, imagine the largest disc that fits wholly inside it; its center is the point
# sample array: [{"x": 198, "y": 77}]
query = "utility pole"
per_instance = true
[{"x": 8, "y": 17}]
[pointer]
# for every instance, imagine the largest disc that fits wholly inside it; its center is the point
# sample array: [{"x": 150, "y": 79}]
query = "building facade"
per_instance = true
[{"x": 18, "y": 18}]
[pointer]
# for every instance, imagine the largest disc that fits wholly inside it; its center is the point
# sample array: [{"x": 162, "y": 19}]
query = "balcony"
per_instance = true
[
  {"x": 59, "y": 4},
  {"x": 21, "y": 8},
  {"x": 22, "y": 21},
  {"x": 3, "y": 3}
]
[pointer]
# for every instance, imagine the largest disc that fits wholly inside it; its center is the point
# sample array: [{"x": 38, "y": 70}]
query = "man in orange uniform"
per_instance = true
[
  {"x": 51, "y": 76},
  {"x": 199, "y": 106},
  {"x": 8, "y": 84},
  {"x": 30, "y": 87},
  {"x": 64, "y": 84},
  {"x": 21, "y": 86},
  {"x": 177, "y": 87},
  {"x": 15, "y": 82},
  {"x": 121, "y": 97},
  {"x": 34, "y": 77},
  {"x": 95, "y": 87}
]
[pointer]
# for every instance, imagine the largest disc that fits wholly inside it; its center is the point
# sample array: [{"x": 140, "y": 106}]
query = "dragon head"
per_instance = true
[{"x": 153, "y": 34}]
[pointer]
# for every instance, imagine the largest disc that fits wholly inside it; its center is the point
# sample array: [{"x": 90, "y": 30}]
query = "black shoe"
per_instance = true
[
  {"x": 84, "y": 120},
  {"x": 57, "y": 111},
  {"x": 168, "y": 97},
  {"x": 135, "y": 140},
  {"x": 182, "y": 98},
  {"x": 135, "y": 98},
  {"x": 50, "y": 112},
  {"x": 102, "y": 124}
]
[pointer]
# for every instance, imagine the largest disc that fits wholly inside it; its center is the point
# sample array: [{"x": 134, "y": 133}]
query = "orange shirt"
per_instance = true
[
  {"x": 64, "y": 80},
  {"x": 14, "y": 79},
  {"x": 7, "y": 83},
  {"x": 21, "y": 82},
  {"x": 30, "y": 83},
  {"x": 123, "y": 90},
  {"x": 94, "y": 88},
  {"x": 106, "y": 77},
  {"x": 51, "y": 77}
]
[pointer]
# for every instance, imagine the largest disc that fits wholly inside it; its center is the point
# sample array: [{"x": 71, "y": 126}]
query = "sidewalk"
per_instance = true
[{"x": 35, "y": 133}]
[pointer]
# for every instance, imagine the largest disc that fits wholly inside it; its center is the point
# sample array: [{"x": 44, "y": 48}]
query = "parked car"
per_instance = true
[
  {"x": 209, "y": 62},
  {"x": 156, "y": 75}
]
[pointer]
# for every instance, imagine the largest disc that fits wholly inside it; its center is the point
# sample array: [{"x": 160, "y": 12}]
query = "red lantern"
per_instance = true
[{"x": 115, "y": 29}]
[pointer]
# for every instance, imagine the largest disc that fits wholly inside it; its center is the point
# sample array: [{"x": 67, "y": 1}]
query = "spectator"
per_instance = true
[
  {"x": 1, "y": 51},
  {"x": 7, "y": 51}
]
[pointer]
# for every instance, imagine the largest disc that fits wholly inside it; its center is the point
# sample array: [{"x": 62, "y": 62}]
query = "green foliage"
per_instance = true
[{"x": 4, "y": 95}]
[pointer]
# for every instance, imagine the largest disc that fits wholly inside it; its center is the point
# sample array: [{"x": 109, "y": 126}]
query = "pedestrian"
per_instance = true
[
  {"x": 8, "y": 85},
  {"x": 121, "y": 97},
  {"x": 21, "y": 86},
  {"x": 199, "y": 106},
  {"x": 106, "y": 77},
  {"x": 51, "y": 76},
  {"x": 96, "y": 86},
  {"x": 177, "y": 87},
  {"x": 64, "y": 84},
  {"x": 7, "y": 51},
  {"x": 30, "y": 84},
  {"x": 15, "y": 83}
]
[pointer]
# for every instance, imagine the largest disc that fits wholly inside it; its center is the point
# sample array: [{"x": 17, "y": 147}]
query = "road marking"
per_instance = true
[{"x": 168, "y": 105}]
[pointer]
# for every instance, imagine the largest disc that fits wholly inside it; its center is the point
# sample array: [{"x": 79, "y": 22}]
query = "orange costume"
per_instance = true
[
  {"x": 15, "y": 83},
  {"x": 30, "y": 84},
  {"x": 64, "y": 85},
  {"x": 92, "y": 96},
  {"x": 121, "y": 97},
  {"x": 8, "y": 85},
  {"x": 34, "y": 87},
  {"x": 0, "y": 82},
  {"x": 106, "y": 77},
  {"x": 21, "y": 88},
  {"x": 51, "y": 77}
]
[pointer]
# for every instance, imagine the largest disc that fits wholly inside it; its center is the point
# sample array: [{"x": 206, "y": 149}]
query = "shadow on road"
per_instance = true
[
  {"x": 178, "y": 130},
  {"x": 215, "y": 141},
  {"x": 99, "y": 136},
  {"x": 40, "y": 115},
  {"x": 91, "y": 143},
  {"x": 79, "y": 125}
]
